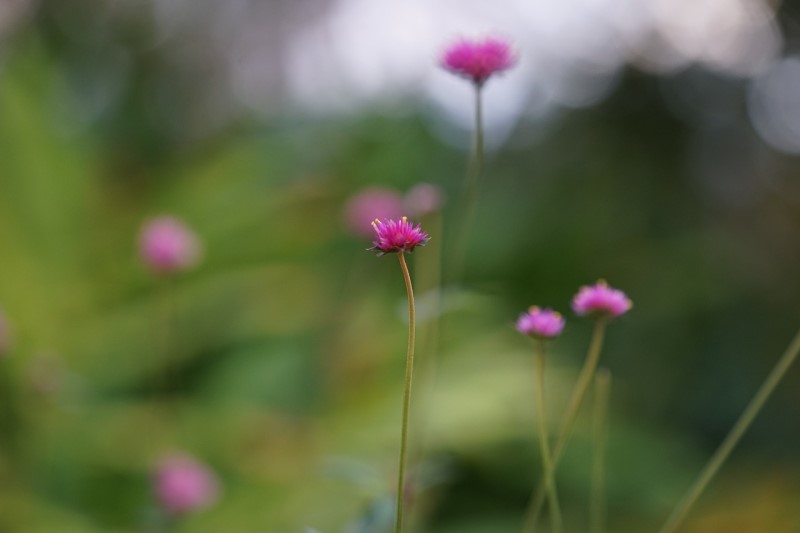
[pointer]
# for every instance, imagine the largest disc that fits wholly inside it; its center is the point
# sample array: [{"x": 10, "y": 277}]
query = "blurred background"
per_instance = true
[{"x": 653, "y": 144}]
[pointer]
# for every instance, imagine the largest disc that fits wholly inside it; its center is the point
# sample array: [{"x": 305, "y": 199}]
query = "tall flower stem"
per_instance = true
[
  {"x": 544, "y": 445},
  {"x": 478, "y": 153},
  {"x": 733, "y": 437},
  {"x": 597, "y": 504},
  {"x": 472, "y": 185},
  {"x": 398, "y": 526},
  {"x": 534, "y": 510},
  {"x": 475, "y": 167}
]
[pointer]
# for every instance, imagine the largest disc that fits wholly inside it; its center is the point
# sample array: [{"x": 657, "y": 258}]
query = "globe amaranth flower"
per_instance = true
[
  {"x": 167, "y": 245},
  {"x": 601, "y": 300},
  {"x": 540, "y": 323},
  {"x": 182, "y": 484},
  {"x": 478, "y": 60},
  {"x": 423, "y": 199},
  {"x": 397, "y": 236},
  {"x": 368, "y": 204}
]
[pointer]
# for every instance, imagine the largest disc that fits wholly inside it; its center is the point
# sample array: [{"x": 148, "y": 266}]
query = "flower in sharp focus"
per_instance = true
[
  {"x": 166, "y": 245},
  {"x": 397, "y": 236},
  {"x": 423, "y": 199},
  {"x": 368, "y": 204},
  {"x": 601, "y": 300},
  {"x": 540, "y": 323},
  {"x": 478, "y": 60},
  {"x": 182, "y": 485}
]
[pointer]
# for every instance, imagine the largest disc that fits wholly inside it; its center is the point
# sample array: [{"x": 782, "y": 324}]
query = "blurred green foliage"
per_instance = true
[{"x": 278, "y": 361}]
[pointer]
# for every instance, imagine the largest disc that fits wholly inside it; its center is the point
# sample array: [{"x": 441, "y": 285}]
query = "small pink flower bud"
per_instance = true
[
  {"x": 601, "y": 300},
  {"x": 167, "y": 246},
  {"x": 478, "y": 60},
  {"x": 183, "y": 485},
  {"x": 423, "y": 199},
  {"x": 367, "y": 205},
  {"x": 540, "y": 323}
]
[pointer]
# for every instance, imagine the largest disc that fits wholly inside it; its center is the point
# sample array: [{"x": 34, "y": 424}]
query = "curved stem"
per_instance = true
[
  {"x": 544, "y": 445},
  {"x": 736, "y": 433},
  {"x": 534, "y": 509},
  {"x": 398, "y": 526},
  {"x": 597, "y": 505}
]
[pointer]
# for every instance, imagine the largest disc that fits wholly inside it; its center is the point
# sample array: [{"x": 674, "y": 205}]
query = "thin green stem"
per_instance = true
[
  {"x": 472, "y": 184},
  {"x": 536, "y": 503},
  {"x": 398, "y": 525},
  {"x": 478, "y": 135},
  {"x": 475, "y": 173},
  {"x": 733, "y": 437},
  {"x": 597, "y": 505},
  {"x": 544, "y": 444}
]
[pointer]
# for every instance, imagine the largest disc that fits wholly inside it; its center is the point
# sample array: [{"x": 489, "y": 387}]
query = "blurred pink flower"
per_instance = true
[
  {"x": 182, "y": 484},
  {"x": 166, "y": 245},
  {"x": 601, "y": 300},
  {"x": 478, "y": 60},
  {"x": 423, "y": 199},
  {"x": 397, "y": 236},
  {"x": 540, "y": 323},
  {"x": 371, "y": 203}
]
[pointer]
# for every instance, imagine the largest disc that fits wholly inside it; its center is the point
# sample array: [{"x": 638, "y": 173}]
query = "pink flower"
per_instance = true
[
  {"x": 478, "y": 60},
  {"x": 397, "y": 236},
  {"x": 166, "y": 245},
  {"x": 601, "y": 300},
  {"x": 540, "y": 323},
  {"x": 371, "y": 203},
  {"x": 423, "y": 199},
  {"x": 183, "y": 485}
]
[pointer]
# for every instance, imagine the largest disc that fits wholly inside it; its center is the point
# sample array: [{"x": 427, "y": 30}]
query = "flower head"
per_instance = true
[
  {"x": 166, "y": 245},
  {"x": 368, "y": 204},
  {"x": 183, "y": 485},
  {"x": 423, "y": 199},
  {"x": 540, "y": 323},
  {"x": 601, "y": 300},
  {"x": 478, "y": 60},
  {"x": 397, "y": 236}
]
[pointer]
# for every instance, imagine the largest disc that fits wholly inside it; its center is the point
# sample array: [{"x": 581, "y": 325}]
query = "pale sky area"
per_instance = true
[
  {"x": 570, "y": 54},
  {"x": 331, "y": 57}
]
